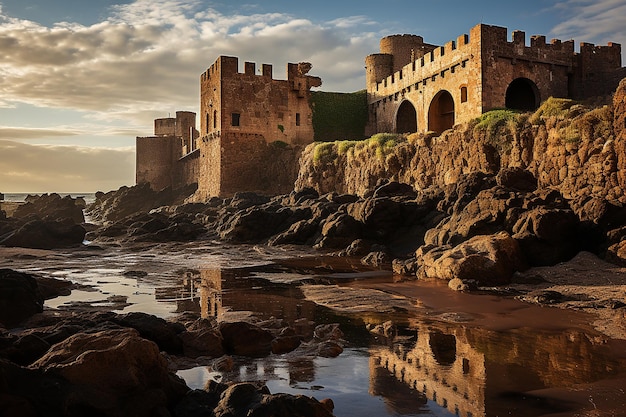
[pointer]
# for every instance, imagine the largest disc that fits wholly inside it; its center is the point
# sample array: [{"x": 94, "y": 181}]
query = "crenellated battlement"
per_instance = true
[
  {"x": 228, "y": 66},
  {"x": 477, "y": 72}
]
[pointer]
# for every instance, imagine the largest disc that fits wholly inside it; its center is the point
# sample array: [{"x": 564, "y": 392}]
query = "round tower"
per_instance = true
[
  {"x": 404, "y": 49},
  {"x": 377, "y": 68}
]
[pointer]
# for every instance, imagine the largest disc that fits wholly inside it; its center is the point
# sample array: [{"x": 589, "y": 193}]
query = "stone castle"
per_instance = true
[{"x": 253, "y": 127}]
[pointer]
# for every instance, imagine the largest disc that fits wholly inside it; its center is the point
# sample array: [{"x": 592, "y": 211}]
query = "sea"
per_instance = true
[{"x": 21, "y": 197}]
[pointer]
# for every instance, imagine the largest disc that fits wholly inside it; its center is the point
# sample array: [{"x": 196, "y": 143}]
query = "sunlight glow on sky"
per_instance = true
[{"x": 80, "y": 79}]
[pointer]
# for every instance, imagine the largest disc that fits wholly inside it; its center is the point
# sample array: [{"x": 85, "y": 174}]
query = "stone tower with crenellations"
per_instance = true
[{"x": 252, "y": 130}]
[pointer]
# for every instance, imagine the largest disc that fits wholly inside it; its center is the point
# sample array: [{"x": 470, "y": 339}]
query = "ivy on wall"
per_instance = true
[{"x": 339, "y": 116}]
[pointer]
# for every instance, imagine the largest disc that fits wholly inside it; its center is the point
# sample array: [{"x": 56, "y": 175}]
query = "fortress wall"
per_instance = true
[
  {"x": 449, "y": 68},
  {"x": 188, "y": 169},
  {"x": 155, "y": 161},
  {"x": 209, "y": 166},
  {"x": 547, "y": 65}
]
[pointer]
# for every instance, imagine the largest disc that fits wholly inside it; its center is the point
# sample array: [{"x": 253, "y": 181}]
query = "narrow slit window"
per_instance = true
[
  {"x": 463, "y": 94},
  {"x": 235, "y": 119},
  {"x": 297, "y": 119}
]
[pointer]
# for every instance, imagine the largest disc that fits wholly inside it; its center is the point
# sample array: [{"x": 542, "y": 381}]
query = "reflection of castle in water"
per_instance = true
[
  {"x": 220, "y": 293},
  {"x": 471, "y": 372},
  {"x": 476, "y": 372},
  {"x": 444, "y": 367}
]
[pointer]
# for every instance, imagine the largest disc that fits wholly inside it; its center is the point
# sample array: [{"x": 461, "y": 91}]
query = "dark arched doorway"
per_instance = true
[
  {"x": 406, "y": 119},
  {"x": 522, "y": 94},
  {"x": 441, "y": 112}
]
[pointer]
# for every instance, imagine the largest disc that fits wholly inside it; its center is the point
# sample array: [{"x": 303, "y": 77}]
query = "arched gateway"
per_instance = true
[
  {"x": 441, "y": 112},
  {"x": 522, "y": 94},
  {"x": 406, "y": 118}
]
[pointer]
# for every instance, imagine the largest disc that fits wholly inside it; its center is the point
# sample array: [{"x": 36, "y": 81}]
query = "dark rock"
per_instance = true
[
  {"x": 395, "y": 189},
  {"x": 245, "y": 339},
  {"x": 52, "y": 207},
  {"x": 244, "y": 200},
  {"x": 339, "y": 230},
  {"x": 163, "y": 333},
  {"x": 27, "y": 349},
  {"x": 246, "y": 399},
  {"x": 41, "y": 234},
  {"x": 284, "y": 344},
  {"x": 298, "y": 233},
  {"x": 547, "y": 236},
  {"x": 517, "y": 178},
  {"x": 115, "y": 372},
  {"x": 202, "y": 342},
  {"x": 255, "y": 224},
  {"x": 126, "y": 201},
  {"x": 20, "y": 297}
]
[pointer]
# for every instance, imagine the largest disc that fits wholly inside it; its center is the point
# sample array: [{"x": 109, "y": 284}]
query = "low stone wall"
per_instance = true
[{"x": 582, "y": 155}]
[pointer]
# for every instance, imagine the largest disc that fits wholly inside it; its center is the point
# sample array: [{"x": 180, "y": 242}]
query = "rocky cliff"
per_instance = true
[{"x": 578, "y": 149}]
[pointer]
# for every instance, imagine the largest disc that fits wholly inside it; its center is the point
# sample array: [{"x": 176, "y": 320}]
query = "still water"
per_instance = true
[{"x": 441, "y": 362}]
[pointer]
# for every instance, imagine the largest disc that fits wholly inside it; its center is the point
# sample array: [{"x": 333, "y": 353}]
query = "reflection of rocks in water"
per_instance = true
[{"x": 475, "y": 372}]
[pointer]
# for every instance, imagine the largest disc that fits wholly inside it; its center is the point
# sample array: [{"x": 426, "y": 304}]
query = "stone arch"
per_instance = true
[
  {"x": 522, "y": 94},
  {"x": 441, "y": 112},
  {"x": 406, "y": 118}
]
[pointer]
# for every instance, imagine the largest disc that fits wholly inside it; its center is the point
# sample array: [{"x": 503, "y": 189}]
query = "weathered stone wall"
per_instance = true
[
  {"x": 188, "y": 169},
  {"x": 275, "y": 109},
  {"x": 155, "y": 161},
  {"x": 594, "y": 164},
  {"x": 234, "y": 162}
]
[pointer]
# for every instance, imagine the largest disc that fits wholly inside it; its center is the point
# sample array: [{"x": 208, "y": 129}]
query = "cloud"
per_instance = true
[
  {"x": 147, "y": 56},
  {"x": 44, "y": 168},
  {"x": 596, "y": 21},
  {"x": 33, "y": 133}
]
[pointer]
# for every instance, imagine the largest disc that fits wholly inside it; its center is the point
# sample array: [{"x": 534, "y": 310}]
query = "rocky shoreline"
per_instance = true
[{"x": 504, "y": 232}]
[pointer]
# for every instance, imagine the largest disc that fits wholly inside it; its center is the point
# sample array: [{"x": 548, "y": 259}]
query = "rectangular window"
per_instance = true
[
  {"x": 463, "y": 94},
  {"x": 297, "y": 119},
  {"x": 235, "y": 119}
]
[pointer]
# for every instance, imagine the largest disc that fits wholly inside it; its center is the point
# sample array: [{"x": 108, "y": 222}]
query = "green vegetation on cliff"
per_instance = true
[
  {"x": 381, "y": 144},
  {"x": 339, "y": 116}
]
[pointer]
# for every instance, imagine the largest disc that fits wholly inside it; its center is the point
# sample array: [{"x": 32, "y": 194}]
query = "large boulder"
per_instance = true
[
  {"x": 20, "y": 297},
  {"x": 547, "y": 236},
  {"x": 256, "y": 224},
  {"x": 52, "y": 207},
  {"x": 245, "y": 339},
  {"x": 246, "y": 399},
  {"x": 484, "y": 259},
  {"x": 163, "y": 333},
  {"x": 115, "y": 373},
  {"x": 202, "y": 342},
  {"x": 43, "y": 234}
]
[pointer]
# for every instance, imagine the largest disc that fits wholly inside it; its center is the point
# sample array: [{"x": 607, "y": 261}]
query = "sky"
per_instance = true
[{"x": 79, "y": 80}]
